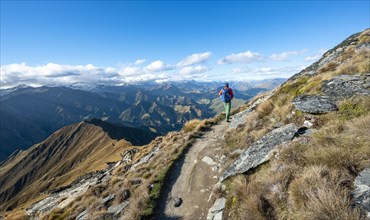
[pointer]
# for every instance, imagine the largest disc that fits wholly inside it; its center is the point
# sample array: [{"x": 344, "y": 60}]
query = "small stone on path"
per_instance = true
[
  {"x": 209, "y": 161},
  {"x": 178, "y": 202}
]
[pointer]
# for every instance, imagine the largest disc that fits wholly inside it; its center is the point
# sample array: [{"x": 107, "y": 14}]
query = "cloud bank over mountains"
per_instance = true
[{"x": 198, "y": 66}]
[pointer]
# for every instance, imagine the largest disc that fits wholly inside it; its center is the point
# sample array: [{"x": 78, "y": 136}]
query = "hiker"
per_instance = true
[{"x": 226, "y": 95}]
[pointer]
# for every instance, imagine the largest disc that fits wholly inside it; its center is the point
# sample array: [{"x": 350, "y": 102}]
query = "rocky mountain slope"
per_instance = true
[
  {"x": 298, "y": 152},
  {"x": 69, "y": 153}
]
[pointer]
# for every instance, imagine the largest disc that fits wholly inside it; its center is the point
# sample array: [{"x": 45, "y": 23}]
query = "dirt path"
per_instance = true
[{"x": 192, "y": 178}]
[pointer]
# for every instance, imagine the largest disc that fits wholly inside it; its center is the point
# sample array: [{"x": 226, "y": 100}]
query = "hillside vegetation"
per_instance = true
[{"x": 311, "y": 177}]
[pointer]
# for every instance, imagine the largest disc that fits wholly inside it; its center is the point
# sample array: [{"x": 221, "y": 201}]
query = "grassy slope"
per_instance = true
[
  {"x": 75, "y": 150},
  {"x": 310, "y": 178}
]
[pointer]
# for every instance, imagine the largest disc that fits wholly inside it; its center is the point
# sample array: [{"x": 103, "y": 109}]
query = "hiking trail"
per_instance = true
[{"x": 192, "y": 178}]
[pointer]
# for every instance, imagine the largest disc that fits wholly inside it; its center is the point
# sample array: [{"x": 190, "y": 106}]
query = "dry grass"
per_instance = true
[
  {"x": 329, "y": 67},
  {"x": 322, "y": 193},
  {"x": 312, "y": 87},
  {"x": 265, "y": 108},
  {"x": 359, "y": 63},
  {"x": 190, "y": 125},
  {"x": 309, "y": 179},
  {"x": 364, "y": 37},
  {"x": 18, "y": 215}
]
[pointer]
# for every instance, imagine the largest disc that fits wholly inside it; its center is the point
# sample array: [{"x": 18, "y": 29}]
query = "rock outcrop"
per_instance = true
[
  {"x": 361, "y": 194},
  {"x": 331, "y": 55},
  {"x": 70, "y": 193},
  {"x": 314, "y": 104},
  {"x": 240, "y": 117},
  {"x": 216, "y": 211},
  {"x": 259, "y": 151},
  {"x": 345, "y": 86}
]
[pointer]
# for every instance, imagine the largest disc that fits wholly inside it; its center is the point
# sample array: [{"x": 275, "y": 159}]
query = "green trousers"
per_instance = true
[{"x": 227, "y": 110}]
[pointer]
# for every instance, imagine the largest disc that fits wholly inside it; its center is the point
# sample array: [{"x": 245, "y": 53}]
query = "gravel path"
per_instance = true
[{"x": 192, "y": 178}]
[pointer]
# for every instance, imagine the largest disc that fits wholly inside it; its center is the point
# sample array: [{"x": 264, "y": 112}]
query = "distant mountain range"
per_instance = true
[{"x": 28, "y": 115}]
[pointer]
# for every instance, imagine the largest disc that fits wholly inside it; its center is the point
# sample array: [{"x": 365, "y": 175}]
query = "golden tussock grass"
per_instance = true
[
  {"x": 17, "y": 215},
  {"x": 306, "y": 180},
  {"x": 322, "y": 193},
  {"x": 365, "y": 37},
  {"x": 329, "y": 67},
  {"x": 265, "y": 108},
  {"x": 311, "y": 177},
  {"x": 359, "y": 63}
]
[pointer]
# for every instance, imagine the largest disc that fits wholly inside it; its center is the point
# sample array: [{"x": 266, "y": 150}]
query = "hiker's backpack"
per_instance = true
[{"x": 225, "y": 96}]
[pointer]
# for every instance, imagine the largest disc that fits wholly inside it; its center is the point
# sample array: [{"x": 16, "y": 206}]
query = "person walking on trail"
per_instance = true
[{"x": 226, "y": 94}]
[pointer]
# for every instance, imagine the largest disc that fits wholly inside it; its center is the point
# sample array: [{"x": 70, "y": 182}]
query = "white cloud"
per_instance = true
[
  {"x": 244, "y": 57},
  {"x": 130, "y": 71},
  {"x": 158, "y": 65},
  {"x": 284, "y": 56},
  {"x": 51, "y": 73},
  {"x": 145, "y": 77},
  {"x": 190, "y": 70},
  {"x": 316, "y": 56},
  {"x": 267, "y": 72},
  {"x": 195, "y": 59},
  {"x": 140, "y": 61}
]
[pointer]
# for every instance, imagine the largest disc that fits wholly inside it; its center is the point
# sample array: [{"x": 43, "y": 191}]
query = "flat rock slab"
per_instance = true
[
  {"x": 146, "y": 158},
  {"x": 117, "y": 209},
  {"x": 361, "y": 194},
  {"x": 314, "y": 104},
  {"x": 108, "y": 199},
  {"x": 218, "y": 205},
  {"x": 345, "y": 86},
  {"x": 82, "y": 215},
  {"x": 259, "y": 151},
  {"x": 215, "y": 212},
  {"x": 209, "y": 161}
]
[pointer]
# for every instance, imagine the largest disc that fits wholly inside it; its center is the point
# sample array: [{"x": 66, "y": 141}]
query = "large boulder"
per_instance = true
[
  {"x": 260, "y": 150},
  {"x": 314, "y": 104},
  {"x": 346, "y": 86},
  {"x": 361, "y": 194}
]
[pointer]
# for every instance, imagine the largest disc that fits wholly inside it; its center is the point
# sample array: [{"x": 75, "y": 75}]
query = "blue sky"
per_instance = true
[{"x": 46, "y": 42}]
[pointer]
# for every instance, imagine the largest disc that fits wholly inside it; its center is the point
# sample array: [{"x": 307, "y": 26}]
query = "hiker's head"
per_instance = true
[{"x": 226, "y": 85}]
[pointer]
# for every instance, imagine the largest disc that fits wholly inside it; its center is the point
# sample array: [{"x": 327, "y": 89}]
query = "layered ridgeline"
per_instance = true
[
  {"x": 69, "y": 153},
  {"x": 298, "y": 152},
  {"x": 29, "y": 115}
]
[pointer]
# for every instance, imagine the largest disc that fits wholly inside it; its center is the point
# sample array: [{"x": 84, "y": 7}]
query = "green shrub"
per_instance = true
[{"x": 352, "y": 109}]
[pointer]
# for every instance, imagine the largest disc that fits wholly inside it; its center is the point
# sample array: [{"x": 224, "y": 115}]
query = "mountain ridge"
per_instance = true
[{"x": 68, "y": 153}]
